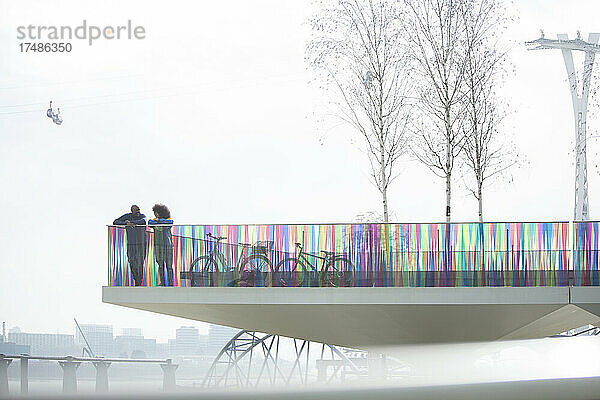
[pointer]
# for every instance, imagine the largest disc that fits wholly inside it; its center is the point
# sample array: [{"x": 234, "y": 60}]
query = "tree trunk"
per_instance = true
[
  {"x": 480, "y": 201},
  {"x": 386, "y": 228},
  {"x": 383, "y": 182},
  {"x": 385, "y": 206},
  {"x": 448, "y": 164},
  {"x": 448, "y": 195}
]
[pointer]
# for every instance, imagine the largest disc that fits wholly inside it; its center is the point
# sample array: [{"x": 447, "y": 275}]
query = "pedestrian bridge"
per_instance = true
[{"x": 360, "y": 285}]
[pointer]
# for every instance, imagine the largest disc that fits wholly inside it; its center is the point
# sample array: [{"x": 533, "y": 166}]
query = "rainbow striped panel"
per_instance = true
[
  {"x": 389, "y": 255},
  {"x": 585, "y": 251}
]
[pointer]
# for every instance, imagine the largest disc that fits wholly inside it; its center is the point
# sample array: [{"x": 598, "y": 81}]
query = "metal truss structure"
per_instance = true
[
  {"x": 580, "y": 103},
  {"x": 252, "y": 359},
  {"x": 587, "y": 330}
]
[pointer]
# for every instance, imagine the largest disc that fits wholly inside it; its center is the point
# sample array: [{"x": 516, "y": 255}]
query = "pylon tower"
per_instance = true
[{"x": 580, "y": 103}]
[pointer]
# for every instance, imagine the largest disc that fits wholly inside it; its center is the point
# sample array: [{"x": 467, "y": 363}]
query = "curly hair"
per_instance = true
[{"x": 162, "y": 211}]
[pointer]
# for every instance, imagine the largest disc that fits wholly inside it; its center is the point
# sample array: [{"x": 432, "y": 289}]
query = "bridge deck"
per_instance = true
[{"x": 359, "y": 317}]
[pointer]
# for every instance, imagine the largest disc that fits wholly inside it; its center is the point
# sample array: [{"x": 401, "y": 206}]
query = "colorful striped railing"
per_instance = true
[{"x": 393, "y": 255}]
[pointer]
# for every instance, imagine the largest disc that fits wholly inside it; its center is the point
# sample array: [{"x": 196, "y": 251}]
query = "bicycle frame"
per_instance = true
[
  {"x": 326, "y": 274},
  {"x": 248, "y": 269},
  {"x": 217, "y": 255},
  {"x": 302, "y": 257}
]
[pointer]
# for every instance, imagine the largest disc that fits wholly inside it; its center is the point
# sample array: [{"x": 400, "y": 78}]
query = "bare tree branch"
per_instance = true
[
  {"x": 435, "y": 32},
  {"x": 486, "y": 154},
  {"x": 355, "y": 49}
]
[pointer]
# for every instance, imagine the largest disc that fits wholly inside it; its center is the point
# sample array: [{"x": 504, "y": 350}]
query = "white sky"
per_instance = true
[{"x": 221, "y": 125}]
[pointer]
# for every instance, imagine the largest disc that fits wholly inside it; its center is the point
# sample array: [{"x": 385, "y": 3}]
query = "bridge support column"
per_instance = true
[
  {"x": 376, "y": 363},
  {"x": 4, "y": 363},
  {"x": 69, "y": 374},
  {"x": 321, "y": 371},
  {"x": 24, "y": 375},
  {"x": 101, "y": 375},
  {"x": 169, "y": 375}
]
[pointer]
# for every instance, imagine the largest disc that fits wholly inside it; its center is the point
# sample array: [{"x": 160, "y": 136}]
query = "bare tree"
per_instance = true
[
  {"x": 435, "y": 33},
  {"x": 355, "y": 51},
  {"x": 485, "y": 153},
  {"x": 485, "y": 156}
]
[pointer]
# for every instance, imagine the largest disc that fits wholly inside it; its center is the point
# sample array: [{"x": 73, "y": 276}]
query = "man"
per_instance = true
[{"x": 135, "y": 223}]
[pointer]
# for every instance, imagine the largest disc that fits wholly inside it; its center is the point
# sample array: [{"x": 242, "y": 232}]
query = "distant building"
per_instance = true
[
  {"x": 203, "y": 344},
  {"x": 172, "y": 346},
  {"x": 9, "y": 348},
  {"x": 187, "y": 342},
  {"x": 44, "y": 344},
  {"x": 162, "y": 350},
  {"x": 218, "y": 336},
  {"x": 132, "y": 344},
  {"x": 100, "y": 338},
  {"x": 131, "y": 332}
]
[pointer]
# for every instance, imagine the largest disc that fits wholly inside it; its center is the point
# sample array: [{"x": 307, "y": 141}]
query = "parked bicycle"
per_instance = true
[
  {"x": 336, "y": 270},
  {"x": 249, "y": 270}
]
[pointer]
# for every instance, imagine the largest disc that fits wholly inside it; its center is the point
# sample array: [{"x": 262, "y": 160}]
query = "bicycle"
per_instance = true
[
  {"x": 246, "y": 266},
  {"x": 336, "y": 270}
]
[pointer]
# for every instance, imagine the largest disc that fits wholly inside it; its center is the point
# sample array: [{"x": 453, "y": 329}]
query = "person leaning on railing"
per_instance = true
[
  {"x": 163, "y": 243},
  {"x": 137, "y": 239}
]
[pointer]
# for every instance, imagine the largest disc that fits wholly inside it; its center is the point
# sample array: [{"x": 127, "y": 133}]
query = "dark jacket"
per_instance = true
[
  {"x": 162, "y": 234},
  {"x": 136, "y": 235}
]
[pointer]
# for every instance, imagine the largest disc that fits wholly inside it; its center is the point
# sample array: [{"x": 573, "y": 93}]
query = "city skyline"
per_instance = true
[{"x": 186, "y": 341}]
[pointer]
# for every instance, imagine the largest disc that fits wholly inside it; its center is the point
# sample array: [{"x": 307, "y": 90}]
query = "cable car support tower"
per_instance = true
[{"x": 580, "y": 103}]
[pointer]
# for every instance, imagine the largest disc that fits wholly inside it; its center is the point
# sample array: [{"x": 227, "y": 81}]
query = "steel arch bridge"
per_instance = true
[{"x": 250, "y": 359}]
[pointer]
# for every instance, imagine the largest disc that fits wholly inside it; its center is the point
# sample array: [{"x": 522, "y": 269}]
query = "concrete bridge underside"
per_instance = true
[{"x": 362, "y": 317}]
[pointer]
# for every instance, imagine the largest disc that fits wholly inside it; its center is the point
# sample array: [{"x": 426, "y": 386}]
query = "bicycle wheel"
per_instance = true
[
  {"x": 291, "y": 272},
  {"x": 204, "y": 272},
  {"x": 256, "y": 270},
  {"x": 339, "y": 272}
]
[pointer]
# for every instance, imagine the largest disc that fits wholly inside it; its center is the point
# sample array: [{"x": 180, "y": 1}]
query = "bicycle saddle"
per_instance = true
[{"x": 328, "y": 253}]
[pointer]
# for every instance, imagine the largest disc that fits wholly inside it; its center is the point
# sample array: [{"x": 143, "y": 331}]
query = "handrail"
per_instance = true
[{"x": 375, "y": 223}]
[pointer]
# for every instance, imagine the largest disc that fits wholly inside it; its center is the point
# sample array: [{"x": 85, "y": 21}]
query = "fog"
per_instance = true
[{"x": 554, "y": 366}]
